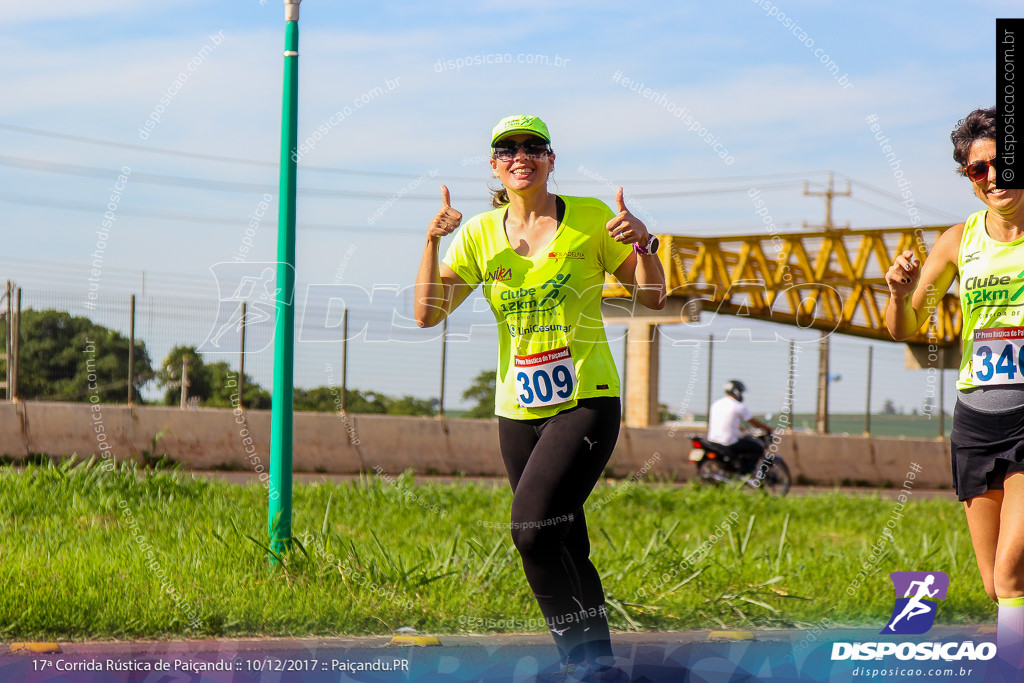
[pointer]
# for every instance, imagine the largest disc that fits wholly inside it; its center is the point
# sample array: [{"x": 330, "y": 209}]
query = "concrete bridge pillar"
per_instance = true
[{"x": 640, "y": 390}]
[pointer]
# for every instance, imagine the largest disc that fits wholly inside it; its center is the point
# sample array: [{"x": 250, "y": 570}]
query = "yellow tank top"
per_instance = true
[{"x": 992, "y": 304}]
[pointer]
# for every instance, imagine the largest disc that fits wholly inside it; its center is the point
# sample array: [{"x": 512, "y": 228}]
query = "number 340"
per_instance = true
[{"x": 1004, "y": 365}]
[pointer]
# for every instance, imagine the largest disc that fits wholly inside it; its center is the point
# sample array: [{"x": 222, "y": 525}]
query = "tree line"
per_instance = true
[{"x": 71, "y": 358}]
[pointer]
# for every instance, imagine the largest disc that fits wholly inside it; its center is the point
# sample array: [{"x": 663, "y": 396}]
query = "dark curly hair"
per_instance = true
[{"x": 980, "y": 124}]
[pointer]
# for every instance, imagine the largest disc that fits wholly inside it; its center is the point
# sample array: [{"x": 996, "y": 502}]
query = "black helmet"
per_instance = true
[{"x": 735, "y": 388}]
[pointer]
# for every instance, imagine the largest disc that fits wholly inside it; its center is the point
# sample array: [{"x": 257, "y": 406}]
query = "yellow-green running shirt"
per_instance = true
[
  {"x": 992, "y": 303},
  {"x": 552, "y": 349}
]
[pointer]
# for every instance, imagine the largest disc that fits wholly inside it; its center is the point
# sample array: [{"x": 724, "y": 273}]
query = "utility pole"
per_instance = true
[
  {"x": 241, "y": 362},
  {"x": 184, "y": 383},
  {"x": 8, "y": 317},
  {"x": 444, "y": 364},
  {"x": 12, "y": 375},
  {"x": 830, "y": 193},
  {"x": 131, "y": 351}
]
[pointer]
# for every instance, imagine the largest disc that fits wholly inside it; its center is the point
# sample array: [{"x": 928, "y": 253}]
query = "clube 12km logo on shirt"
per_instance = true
[{"x": 917, "y": 596}]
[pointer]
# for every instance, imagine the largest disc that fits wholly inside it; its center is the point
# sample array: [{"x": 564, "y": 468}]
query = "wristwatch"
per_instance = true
[{"x": 651, "y": 248}]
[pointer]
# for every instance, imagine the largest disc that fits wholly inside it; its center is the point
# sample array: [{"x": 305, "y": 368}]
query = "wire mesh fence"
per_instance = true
[{"x": 376, "y": 348}]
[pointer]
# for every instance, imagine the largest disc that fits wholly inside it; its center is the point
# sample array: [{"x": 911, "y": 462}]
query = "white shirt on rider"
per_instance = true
[{"x": 724, "y": 421}]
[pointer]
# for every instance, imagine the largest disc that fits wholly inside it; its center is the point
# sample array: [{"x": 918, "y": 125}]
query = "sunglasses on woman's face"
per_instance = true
[
  {"x": 978, "y": 171},
  {"x": 507, "y": 150}
]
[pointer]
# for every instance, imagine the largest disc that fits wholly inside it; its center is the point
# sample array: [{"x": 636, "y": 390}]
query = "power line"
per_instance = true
[
  {"x": 206, "y": 157},
  {"x": 829, "y": 194},
  {"x": 348, "y": 171},
  {"x": 721, "y": 179},
  {"x": 51, "y": 267},
  {"x": 254, "y": 188},
  {"x": 200, "y": 219},
  {"x": 180, "y": 217},
  {"x": 225, "y": 186},
  {"x": 725, "y": 190},
  {"x": 193, "y": 183},
  {"x": 897, "y": 198},
  {"x": 882, "y": 209}
]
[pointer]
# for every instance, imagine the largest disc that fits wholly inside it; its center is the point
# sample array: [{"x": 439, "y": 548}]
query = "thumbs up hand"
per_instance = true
[
  {"x": 447, "y": 219},
  {"x": 624, "y": 226}
]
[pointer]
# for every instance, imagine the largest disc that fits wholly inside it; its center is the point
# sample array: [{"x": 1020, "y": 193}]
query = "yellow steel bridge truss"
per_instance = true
[{"x": 825, "y": 280}]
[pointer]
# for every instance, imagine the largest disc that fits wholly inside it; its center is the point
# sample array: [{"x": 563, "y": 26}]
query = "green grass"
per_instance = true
[
  {"x": 378, "y": 556},
  {"x": 909, "y": 426}
]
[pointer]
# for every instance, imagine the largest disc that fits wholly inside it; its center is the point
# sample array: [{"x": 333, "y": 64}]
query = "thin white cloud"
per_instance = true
[{"x": 64, "y": 10}]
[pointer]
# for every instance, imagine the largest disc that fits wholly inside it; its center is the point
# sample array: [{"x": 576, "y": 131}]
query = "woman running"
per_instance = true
[
  {"x": 986, "y": 254},
  {"x": 542, "y": 259}
]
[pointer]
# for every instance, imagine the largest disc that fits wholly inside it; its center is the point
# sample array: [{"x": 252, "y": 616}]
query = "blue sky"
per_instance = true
[{"x": 98, "y": 70}]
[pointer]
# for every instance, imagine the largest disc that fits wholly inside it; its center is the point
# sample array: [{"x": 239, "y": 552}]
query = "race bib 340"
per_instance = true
[{"x": 998, "y": 356}]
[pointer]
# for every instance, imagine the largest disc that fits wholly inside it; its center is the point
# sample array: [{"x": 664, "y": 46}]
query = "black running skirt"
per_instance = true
[{"x": 985, "y": 448}]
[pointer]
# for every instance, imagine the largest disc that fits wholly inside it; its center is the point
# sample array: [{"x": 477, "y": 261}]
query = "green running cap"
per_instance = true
[{"x": 523, "y": 123}]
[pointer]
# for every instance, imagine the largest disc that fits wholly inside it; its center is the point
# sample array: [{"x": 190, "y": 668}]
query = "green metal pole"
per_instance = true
[{"x": 279, "y": 519}]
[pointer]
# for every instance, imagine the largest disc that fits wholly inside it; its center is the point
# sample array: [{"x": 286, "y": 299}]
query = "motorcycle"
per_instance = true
[{"x": 717, "y": 465}]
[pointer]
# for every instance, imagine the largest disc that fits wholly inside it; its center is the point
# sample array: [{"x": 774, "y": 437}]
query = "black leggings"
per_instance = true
[{"x": 553, "y": 464}]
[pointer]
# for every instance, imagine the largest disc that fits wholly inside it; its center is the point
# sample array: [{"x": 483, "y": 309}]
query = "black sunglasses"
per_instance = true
[
  {"x": 507, "y": 150},
  {"x": 978, "y": 171}
]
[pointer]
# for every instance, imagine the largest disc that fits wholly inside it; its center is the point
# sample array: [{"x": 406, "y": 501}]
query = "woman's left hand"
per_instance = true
[{"x": 624, "y": 226}]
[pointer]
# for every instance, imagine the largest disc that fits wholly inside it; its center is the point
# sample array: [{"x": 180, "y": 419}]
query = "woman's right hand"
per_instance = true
[
  {"x": 446, "y": 220},
  {"x": 903, "y": 275}
]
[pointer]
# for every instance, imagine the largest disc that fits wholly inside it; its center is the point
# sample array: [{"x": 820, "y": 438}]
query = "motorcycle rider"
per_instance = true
[{"x": 724, "y": 419}]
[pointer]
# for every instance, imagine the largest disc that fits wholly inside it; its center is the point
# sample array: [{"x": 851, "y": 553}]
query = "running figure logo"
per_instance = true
[
  {"x": 556, "y": 285},
  {"x": 916, "y": 593},
  {"x": 255, "y": 285}
]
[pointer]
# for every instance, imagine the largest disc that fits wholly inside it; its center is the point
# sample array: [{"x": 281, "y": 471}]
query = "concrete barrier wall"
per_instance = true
[
  {"x": 211, "y": 438},
  {"x": 12, "y": 433}
]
